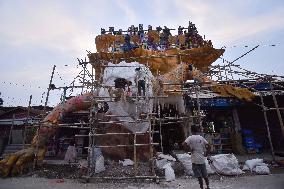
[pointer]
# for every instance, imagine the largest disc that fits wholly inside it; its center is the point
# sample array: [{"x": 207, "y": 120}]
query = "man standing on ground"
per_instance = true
[{"x": 198, "y": 147}]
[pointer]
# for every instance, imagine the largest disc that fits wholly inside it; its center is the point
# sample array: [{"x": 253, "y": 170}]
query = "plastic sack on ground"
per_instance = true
[
  {"x": 169, "y": 172},
  {"x": 160, "y": 163},
  {"x": 126, "y": 162},
  {"x": 100, "y": 164},
  {"x": 168, "y": 157},
  {"x": 82, "y": 164},
  {"x": 185, "y": 159},
  {"x": 251, "y": 164},
  {"x": 71, "y": 154},
  {"x": 226, "y": 164},
  {"x": 163, "y": 160},
  {"x": 95, "y": 153},
  {"x": 262, "y": 169},
  {"x": 245, "y": 168}
]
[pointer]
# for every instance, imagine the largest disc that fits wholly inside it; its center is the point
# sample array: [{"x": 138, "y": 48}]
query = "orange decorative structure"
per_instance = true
[
  {"x": 163, "y": 61},
  {"x": 14, "y": 163}
]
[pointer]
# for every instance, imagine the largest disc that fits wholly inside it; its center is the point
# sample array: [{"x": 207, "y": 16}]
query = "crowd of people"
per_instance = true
[{"x": 156, "y": 40}]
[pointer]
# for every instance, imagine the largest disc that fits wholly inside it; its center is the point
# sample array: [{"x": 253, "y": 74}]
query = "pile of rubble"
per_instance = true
[{"x": 165, "y": 166}]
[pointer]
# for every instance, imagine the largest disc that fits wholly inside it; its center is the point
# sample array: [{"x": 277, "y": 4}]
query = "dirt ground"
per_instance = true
[
  {"x": 275, "y": 181},
  {"x": 64, "y": 176},
  {"x": 114, "y": 169}
]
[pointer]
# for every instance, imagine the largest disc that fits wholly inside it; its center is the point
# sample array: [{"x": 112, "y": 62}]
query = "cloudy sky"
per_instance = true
[{"x": 35, "y": 35}]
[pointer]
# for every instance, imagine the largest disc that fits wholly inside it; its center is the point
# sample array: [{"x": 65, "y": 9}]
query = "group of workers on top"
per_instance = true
[{"x": 187, "y": 38}]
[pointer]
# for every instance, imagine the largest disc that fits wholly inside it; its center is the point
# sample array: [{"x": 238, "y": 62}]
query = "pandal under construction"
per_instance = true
[{"x": 139, "y": 82}]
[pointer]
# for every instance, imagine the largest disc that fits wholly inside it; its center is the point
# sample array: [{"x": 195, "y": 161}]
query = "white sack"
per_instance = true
[
  {"x": 245, "y": 168},
  {"x": 226, "y": 164},
  {"x": 71, "y": 154},
  {"x": 126, "y": 162},
  {"x": 82, "y": 164},
  {"x": 160, "y": 163},
  {"x": 262, "y": 169},
  {"x": 169, "y": 172},
  {"x": 168, "y": 157},
  {"x": 100, "y": 164},
  {"x": 253, "y": 163},
  {"x": 185, "y": 159}
]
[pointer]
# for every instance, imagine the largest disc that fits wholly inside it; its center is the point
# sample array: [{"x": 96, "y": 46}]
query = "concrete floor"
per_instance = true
[{"x": 250, "y": 182}]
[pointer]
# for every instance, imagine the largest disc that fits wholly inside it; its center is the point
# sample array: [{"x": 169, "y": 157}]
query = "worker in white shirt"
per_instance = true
[
  {"x": 199, "y": 148},
  {"x": 140, "y": 80}
]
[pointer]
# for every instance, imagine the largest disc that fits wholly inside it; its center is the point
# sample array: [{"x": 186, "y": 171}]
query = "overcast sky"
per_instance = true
[{"x": 35, "y": 35}]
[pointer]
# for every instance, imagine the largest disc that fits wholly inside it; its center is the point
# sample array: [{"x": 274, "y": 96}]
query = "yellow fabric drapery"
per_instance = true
[{"x": 231, "y": 91}]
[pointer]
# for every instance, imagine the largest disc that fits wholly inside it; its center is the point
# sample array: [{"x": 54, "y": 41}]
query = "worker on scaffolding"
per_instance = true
[
  {"x": 199, "y": 147},
  {"x": 120, "y": 85},
  {"x": 140, "y": 80}
]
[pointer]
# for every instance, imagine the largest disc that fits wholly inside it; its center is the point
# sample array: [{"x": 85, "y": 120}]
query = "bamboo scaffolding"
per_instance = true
[
  {"x": 125, "y": 145},
  {"x": 122, "y": 121},
  {"x": 117, "y": 116},
  {"x": 137, "y": 133},
  {"x": 94, "y": 122}
]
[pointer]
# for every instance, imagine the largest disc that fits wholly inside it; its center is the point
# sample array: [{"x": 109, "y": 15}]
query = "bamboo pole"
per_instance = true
[
  {"x": 277, "y": 108},
  {"x": 161, "y": 135},
  {"x": 151, "y": 147},
  {"x": 44, "y": 109},
  {"x": 92, "y": 79},
  {"x": 49, "y": 88},
  {"x": 103, "y": 134},
  {"x": 84, "y": 75},
  {"x": 267, "y": 127},
  {"x": 198, "y": 106},
  {"x": 136, "y": 117},
  {"x": 28, "y": 116},
  {"x": 135, "y": 154},
  {"x": 11, "y": 129}
]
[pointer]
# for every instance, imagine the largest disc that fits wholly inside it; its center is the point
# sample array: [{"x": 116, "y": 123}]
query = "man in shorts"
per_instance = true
[{"x": 198, "y": 147}]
